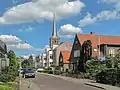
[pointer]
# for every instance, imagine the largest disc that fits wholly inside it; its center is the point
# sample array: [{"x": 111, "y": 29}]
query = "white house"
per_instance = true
[
  {"x": 4, "y": 62},
  {"x": 44, "y": 59}
]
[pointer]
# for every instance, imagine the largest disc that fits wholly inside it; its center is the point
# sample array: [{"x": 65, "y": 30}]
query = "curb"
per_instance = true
[{"x": 95, "y": 86}]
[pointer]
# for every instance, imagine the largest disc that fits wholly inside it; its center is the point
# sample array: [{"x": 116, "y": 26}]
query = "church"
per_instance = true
[
  {"x": 53, "y": 43},
  {"x": 51, "y": 55}
]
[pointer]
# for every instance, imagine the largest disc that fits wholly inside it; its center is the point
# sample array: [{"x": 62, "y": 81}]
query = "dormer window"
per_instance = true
[{"x": 76, "y": 42}]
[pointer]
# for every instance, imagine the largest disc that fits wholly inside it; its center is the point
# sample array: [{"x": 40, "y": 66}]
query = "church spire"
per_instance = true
[
  {"x": 54, "y": 40},
  {"x": 54, "y": 32}
]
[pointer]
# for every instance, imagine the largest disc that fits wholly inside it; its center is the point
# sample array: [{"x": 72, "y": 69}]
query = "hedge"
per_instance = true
[
  {"x": 46, "y": 71},
  {"x": 109, "y": 76}
]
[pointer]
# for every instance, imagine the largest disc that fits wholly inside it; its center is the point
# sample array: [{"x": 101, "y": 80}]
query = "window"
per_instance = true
[
  {"x": 76, "y": 42},
  {"x": 45, "y": 58},
  {"x": 95, "y": 50},
  {"x": 77, "y": 53},
  {"x": 51, "y": 62},
  {"x": 112, "y": 52},
  {"x": 51, "y": 57}
]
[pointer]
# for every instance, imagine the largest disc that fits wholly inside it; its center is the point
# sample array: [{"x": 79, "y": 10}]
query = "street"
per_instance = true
[{"x": 44, "y": 82}]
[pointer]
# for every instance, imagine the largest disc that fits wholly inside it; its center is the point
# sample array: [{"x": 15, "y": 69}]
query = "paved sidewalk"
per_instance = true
[
  {"x": 86, "y": 82},
  {"x": 27, "y": 84}
]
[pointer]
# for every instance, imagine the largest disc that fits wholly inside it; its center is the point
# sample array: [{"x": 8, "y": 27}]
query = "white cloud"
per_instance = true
[
  {"x": 116, "y": 3},
  {"x": 107, "y": 15},
  {"x": 27, "y": 29},
  {"x": 9, "y": 39},
  {"x": 67, "y": 30},
  {"x": 103, "y": 15},
  {"x": 16, "y": 43},
  {"x": 21, "y": 46},
  {"x": 40, "y": 9},
  {"x": 88, "y": 19}
]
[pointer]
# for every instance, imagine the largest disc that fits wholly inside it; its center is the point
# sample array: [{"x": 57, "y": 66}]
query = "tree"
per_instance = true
[
  {"x": 13, "y": 61},
  {"x": 31, "y": 59},
  {"x": 109, "y": 61},
  {"x": 86, "y": 50},
  {"x": 25, "y": 64},
  {"x": 37, "y": 59},
  {"x": 94, "y": 66},
  {"x": 10, "y": 73},
  {"x": 117, "y": 59}
]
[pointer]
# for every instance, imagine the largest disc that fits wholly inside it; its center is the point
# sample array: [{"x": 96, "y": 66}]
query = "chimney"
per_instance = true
[{"x": 91, "y": 33}]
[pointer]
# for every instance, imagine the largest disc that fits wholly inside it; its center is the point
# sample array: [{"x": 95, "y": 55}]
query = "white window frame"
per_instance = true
[
  {"x": 112, "y": 52},
  {"x": 77, "y": 53}
]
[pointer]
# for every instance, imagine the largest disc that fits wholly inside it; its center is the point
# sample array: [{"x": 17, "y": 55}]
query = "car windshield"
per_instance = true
[{"x": 29, "y": 71}]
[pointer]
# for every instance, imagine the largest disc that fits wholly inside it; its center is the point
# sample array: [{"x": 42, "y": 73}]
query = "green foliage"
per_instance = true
[
  {"x": 37, "y": 59},
  {"x": 57, "y": 68},
  {"x": 93, "y": 67},
  {"x": 10, "y": 73},
  {"x": 30, "y": 59},
  {"x": 86, "y": 50},
  {"x": 26, "y": 64},
  {"x": 5, "y": 87},
  {"x": 13, "y": 62},
  {"x": 7, "y": 77},
  {"x": 109, "y": 76},
  {"x": 109, "y": 62},
  {"x": 48, "y": 68}
]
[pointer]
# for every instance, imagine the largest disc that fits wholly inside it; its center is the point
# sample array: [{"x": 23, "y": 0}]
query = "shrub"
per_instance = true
[
  {"x": 5, "y": 87},
  {"x": 109, "y": 76},
  {"x": 7, "y": 77},
  {"x": 93, "y": 67},
  {"x": 57, "y": 72}
]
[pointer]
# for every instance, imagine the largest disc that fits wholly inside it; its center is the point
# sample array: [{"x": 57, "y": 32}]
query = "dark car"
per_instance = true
[{"x": 28, "y": 72}]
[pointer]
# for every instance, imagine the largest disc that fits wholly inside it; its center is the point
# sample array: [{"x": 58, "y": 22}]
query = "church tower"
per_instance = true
[{"x": 54, "y": 40}]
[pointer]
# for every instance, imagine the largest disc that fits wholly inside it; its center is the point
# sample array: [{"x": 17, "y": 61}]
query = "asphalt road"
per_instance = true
[{"x": 44, "y": 82}]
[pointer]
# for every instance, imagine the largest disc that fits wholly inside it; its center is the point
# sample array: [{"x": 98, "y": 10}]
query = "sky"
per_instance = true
[{"x": 26, "y": 25}]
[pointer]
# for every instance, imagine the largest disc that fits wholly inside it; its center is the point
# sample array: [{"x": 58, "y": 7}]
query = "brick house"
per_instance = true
[
  {"x": 64, "y": 60},
  {"x": 67, "y": 45},
  {"x": 102, "y": 45}
]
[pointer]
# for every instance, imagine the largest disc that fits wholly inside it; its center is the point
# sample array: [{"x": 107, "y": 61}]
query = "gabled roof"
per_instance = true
[
  {"x": 63, "y": 44},
  {"x": 98, "y": 40},
  {"x": 66, "y": 56}
]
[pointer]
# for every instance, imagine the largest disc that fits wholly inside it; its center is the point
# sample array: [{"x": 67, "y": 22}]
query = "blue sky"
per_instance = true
[{"x": 26, "y": 25}]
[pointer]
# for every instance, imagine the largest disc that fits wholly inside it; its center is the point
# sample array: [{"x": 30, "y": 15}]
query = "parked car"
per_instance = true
[
  {"x": 40, "y": 69},
  {"x": 28, "y": 72}
]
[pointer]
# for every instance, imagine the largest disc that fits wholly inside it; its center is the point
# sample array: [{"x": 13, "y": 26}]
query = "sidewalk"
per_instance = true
[
  {"x": 27, "y": 84},
  {"x": 86, "y": 82}
]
